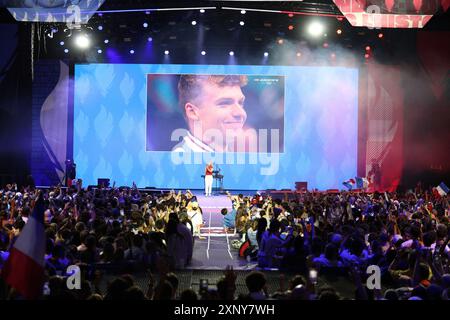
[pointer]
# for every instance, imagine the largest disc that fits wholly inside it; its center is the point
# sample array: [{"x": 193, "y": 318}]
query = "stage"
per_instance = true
[{"x": 215, "y": 251}]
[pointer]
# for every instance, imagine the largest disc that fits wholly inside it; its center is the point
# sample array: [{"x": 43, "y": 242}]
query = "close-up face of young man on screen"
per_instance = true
[{"x": 213, "y": 105}]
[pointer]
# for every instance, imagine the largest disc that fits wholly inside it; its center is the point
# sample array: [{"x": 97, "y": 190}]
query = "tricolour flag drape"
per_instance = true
[
  {"x": 442, "y": 189},
  {"x": 362, "y": 183},
  {"x": 24, "y": 268}
]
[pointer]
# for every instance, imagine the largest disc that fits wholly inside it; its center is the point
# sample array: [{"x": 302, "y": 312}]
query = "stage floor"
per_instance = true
[{"x": 215, "y": 251}]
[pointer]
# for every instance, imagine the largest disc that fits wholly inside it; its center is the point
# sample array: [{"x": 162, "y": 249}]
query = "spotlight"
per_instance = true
[
  {"x": 241, "y": 23},
  {"x": 367, "y": 56},
  {"x": 147, "y": 12},
  {"x": 339, "y": 31},
  {"x": 380, "y": 35},
  {"x": 132, "y": 51},
  {"x": 145, "y": 25},
  {"x": 290, "y": 15},
  {"x": 106, "y": 41},
  {"x": 202, "y": 10},
  {"x": 243, "y": 11},
  {"x": 166, "y": 52},
  {"x": 194, "y": 22},
  {"x": 367, "y": 48},
  {"x": 266, "y": 54},
  {"x": 315, "y": 29},
  {"x": 299, "y": 54},
  {"x": 82, "y": 41},
  {"x": 66, "y": 50},
  {"x": 61, "y": 43},
  {"x": 325, "y": 45},
  {"x": 100, "y": 28},
  {"x": 150, "y": 39},
  {"x": 203, "y": 52},
  {"x": 99, "y": 51},
  {"x": 231, "y": 53},
  {"x": 291, "y": 27},
  {"x": 280, "y": 41}
]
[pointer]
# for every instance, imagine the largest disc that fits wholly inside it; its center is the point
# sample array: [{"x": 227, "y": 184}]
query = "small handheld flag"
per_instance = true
[
  {"x": 442, "y": 189},
  {"x": 349, "y": 183}
]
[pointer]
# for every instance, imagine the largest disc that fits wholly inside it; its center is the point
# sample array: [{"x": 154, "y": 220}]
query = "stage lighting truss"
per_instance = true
[
  {"x": 51, "y": 30},
  {"x": 292, "y": 8},
  {"x": 85, "y": 29}
]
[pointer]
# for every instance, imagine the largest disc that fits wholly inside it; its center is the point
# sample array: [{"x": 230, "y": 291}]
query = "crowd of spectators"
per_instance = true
[{"x": 405, "y": 234}]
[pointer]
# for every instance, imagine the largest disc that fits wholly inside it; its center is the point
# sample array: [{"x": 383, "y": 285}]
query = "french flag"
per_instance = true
[
  {"x": 442, "y": 189},
  {"x": 362, "y": 183},
  {"x": 24, "y": 268},
  {"x": 349, "y": 183}
]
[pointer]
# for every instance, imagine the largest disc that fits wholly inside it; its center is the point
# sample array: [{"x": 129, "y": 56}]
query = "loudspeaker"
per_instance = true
[
  {"x": 103, "y": 182},
  {"x": 301, "y": 186}
]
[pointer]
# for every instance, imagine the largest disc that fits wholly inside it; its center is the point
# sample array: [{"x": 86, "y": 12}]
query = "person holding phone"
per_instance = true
[{"x": 204, "y": 284}]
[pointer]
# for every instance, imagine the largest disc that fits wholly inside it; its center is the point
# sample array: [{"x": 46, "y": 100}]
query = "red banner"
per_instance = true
[
  {"x": 384, "y": 146},
  {"x": 390, "y": 13}
]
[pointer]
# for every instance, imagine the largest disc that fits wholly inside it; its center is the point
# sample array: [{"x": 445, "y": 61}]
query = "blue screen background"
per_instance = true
[{"x": 320, "y": 123}]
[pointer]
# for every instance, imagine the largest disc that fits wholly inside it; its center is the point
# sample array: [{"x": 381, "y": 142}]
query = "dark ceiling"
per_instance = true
[{"x": 219, "y": 30}]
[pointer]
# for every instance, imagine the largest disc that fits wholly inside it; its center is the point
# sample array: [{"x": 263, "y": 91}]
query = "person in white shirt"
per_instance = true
[{"x": 195, "y": 215}]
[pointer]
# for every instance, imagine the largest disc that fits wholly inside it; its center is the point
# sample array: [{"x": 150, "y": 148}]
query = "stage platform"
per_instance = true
[
  {"x": 272, "y": 192},
  {"x": 214, "y": 252}
]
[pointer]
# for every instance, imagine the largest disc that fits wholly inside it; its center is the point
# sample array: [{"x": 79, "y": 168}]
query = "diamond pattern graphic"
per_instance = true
[
  {"x": 81, "y": 125},
  {"x": 126, "y": 125},
  {"x": 110, "y": 127},
  {"x": 104, "y": 75},
  {"x": 103, "y": 125},
  {"x": 83, "y": 88},
  {"x": 125, "y": 164},
  {"x": 103, "y": 169},
  {"x": 127, "y": 88}
]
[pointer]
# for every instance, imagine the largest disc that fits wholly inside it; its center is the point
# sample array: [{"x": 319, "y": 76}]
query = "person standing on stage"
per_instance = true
[{"x": 208, "y": 178}]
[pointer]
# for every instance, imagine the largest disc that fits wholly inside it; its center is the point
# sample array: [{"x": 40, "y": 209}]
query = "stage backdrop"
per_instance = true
[{"x": 118, "y": 109}]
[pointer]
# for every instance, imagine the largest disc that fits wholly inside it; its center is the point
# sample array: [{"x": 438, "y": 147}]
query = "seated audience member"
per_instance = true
[
  {"x": 412, "y": 237},
  {"x": 188, "y": 295},
  {"x": 173, "y": 279},
  {"x": 272, "y": 246},
  {"x": 195, "y": 214},
  {"x": 241, "y": 221},
  {"x": 135, "y": 251},
  {"x": 256, "y": 286},
  {"x": 251, "y": 234},
  {"x": 157, "y": 235},
  {"x": 262, "y": 226},
  {"x": 108, "y": 228},
  {"x": 330, "y": 258},
  {"x": 229, "y": 218},
  {"x": 355, "y": 252},
  {"x": 179, "y": 242}
]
